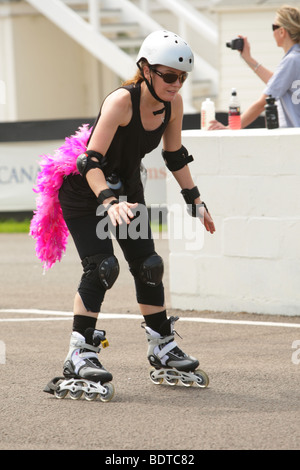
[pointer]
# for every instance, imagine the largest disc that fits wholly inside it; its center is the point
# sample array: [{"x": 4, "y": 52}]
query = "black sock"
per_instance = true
[
  {"x": 82, "y": 322},
  {"x": 155, "y": 320}
]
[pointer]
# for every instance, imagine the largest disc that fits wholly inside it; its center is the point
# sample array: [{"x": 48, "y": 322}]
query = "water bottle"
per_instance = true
[
  {"x": 115, "y": 184},
  {"x": 234, "y": 114},
  {"x": 271, "y": 115},
  {"x": 144, "y": 174},
  {"x": 207, "y": 113}
]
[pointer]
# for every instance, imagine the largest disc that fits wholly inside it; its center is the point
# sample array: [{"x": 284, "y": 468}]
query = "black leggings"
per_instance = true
[{"x": 84, "y": 233}]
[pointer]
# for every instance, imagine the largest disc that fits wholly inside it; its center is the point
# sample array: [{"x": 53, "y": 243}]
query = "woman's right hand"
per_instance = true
[{"x": 121, "y": 212}]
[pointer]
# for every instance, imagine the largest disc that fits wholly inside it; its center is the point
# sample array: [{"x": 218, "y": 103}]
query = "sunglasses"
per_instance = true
[
  {"x": 171, "y": 77},
  {"x": 275, "y": 26}
]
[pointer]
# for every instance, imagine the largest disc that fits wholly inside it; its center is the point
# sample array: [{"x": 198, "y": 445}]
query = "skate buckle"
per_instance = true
[{"x": 104, "y": 343}]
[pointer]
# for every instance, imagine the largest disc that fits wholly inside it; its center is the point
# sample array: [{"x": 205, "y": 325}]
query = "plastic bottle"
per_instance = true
[
  {"x": 271, "y": 115},
  {"x": 115, "y": 184},
  {"x": 207, "y": 113},
  {"x": 234, "y": 114}
]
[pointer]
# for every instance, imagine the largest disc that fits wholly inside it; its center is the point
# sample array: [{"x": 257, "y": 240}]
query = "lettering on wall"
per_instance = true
[
  {"x": 18, "y": 174},
  {"x": 19, "y": 167},
  {"x": 156, "y": 173}
]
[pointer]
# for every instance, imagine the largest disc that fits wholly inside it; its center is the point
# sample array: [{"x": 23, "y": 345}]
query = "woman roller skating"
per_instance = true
[{"x": 132, "y": 121}]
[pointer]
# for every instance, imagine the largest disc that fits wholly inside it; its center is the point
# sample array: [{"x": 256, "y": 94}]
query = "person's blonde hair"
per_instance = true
[{"x": 289, "y": 18}]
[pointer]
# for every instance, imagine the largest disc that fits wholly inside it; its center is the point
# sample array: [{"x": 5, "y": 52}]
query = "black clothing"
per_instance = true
[
  {"x": 79, "y": 205},
  {"x": 82, "y": 322},
  {"x": 87, "y": 242},
  {"x": 129, "y": 145}
]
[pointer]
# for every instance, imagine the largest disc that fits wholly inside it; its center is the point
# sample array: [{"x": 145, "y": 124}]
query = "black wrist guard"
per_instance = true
[
  {"x": 105, "y": 194},
  {"x": 193, "y": 209},
  {"x": 189, "y": 196}
]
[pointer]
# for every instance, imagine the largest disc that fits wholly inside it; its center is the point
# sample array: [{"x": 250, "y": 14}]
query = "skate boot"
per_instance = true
[
  {"x": 83, "y": 373},
  {"x": 169, "y": 362}
]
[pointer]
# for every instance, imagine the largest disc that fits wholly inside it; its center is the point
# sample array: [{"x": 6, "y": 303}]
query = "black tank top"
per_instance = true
[{"x": 129, "y": 145}]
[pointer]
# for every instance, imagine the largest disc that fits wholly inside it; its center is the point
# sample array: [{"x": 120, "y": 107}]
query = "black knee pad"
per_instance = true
[
  {"x": 148, "y": 274},
  {"x": 149, "y": 270},
  {"x": 101, "y": 268},
  {"x": 100, "y": 273}
]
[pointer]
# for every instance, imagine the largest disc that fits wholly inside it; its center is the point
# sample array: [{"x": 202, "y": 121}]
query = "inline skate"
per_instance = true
[
  {"x": 168, "y": 361},
  {"x": 82, "y": 371}
]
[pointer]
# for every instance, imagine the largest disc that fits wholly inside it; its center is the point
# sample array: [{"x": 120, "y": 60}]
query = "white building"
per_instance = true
[{"x": 59, "y": 59}]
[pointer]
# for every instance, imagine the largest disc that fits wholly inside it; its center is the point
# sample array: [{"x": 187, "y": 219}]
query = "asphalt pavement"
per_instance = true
[{"x": 253, "y": 362}]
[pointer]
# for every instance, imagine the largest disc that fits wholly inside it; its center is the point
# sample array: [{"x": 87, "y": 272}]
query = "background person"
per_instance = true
[{"x": 284, "y": 83}]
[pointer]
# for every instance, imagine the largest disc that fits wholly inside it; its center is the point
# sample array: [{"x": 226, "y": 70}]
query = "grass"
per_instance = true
[
  {"x": 15, "y": 226},
  {"x": 158, "y": 227}
]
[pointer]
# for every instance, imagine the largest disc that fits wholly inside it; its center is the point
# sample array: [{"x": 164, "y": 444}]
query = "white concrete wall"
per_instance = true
[{"x": 250, "y": 181}]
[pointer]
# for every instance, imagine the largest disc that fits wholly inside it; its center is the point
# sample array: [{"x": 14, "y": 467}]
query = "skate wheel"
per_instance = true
[
  {"x": 60, "y": 394},
  {"x": 110, "y": 391},
  {"x": 155, "y": 380},
  {"x": 170, "y": 379},
  {"x": 76, "y": 395},
  {"x": 186, "y": 383},
  {"x": 202, "y": 378},
  {"x": 90, "y": 396}
]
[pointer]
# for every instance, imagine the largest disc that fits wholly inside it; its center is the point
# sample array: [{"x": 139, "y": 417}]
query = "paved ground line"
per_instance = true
[{"x": 117, "y": 316}]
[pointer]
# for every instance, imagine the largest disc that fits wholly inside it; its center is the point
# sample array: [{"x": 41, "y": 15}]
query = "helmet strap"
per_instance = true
[{"x": 152, "y": 91}]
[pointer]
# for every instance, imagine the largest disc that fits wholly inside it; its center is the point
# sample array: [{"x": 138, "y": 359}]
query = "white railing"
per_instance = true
[
  {"x": 89, "y": 35},
  {"x": 84, "y": 33},
  {"x": 193, "y": 18}
]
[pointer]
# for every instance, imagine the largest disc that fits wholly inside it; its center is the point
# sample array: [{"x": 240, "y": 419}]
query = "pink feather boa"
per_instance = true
[{"x": 47, "y": 226}]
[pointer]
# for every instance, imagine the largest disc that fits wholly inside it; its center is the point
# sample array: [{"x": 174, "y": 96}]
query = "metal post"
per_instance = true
[
  {"x": 144, "y": 5},
  {"x": 94, "y": 14},
  {"x": 186, "y": 90}
]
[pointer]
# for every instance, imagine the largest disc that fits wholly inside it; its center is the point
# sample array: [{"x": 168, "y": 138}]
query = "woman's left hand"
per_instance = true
[
  {"x": 217, "y": 126},
  {"x": 208, "y": 221}
]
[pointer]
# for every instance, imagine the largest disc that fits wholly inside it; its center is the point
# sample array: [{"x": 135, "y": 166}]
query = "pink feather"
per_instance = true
[{"x": 47, "y": 226}]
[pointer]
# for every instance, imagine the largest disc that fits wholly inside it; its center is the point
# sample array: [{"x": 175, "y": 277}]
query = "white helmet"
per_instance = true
[{"x": 166, "y": 48}]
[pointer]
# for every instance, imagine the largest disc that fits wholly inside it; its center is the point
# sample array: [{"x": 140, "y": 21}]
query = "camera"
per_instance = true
[{"x": 237, "y": 43}]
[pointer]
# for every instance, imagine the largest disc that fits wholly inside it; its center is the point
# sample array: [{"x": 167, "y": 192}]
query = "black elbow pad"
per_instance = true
[
  {"x": 176, "y": 160},
  {"x": 84, "y": 162}
]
